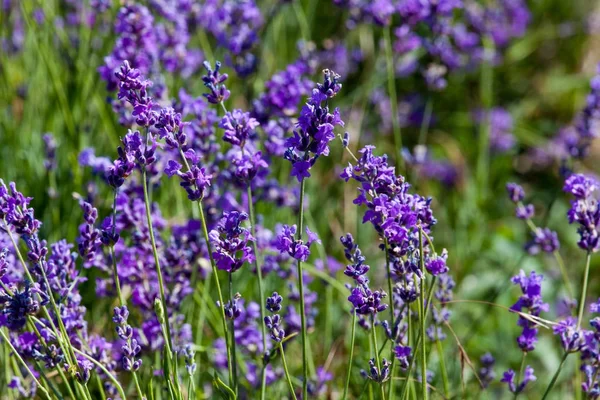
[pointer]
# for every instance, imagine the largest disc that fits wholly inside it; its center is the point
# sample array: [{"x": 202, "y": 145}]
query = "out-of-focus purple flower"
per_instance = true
[
  {"x": 500, "y": 128},
  {"x": 131, "y": 348},
  {"x": 509, "y": 378},
  {"x": 516, "y": 193},
  {"x": 525, "y": 211},
  {"x": 571, "y": 338},
  {"x": 486, "y": 371},
  {"x": 50, "y": 150},
  {"x": 403, "y": 354},
  {"x": 584, "y": 210},
  {"x": 543, "y": 240}
]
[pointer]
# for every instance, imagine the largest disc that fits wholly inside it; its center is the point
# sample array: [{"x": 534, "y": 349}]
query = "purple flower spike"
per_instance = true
[
  {"x": 214, "y": 81},
  {"x": 231, "y": 242}
]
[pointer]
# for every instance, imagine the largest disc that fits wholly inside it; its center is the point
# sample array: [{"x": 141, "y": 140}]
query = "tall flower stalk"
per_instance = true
[{"x": 311, "y": 140}]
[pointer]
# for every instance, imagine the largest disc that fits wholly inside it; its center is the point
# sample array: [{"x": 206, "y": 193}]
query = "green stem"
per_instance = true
[
  {"x": 301, "y": 290},
  {"x": 426, "y": 121},
  {"x": 555, "y": 377},
  {"x": 161, "y": 285},
  {"x": 16, "y": 354},
  {"x": 233, "y": 344},
  {"x": 351, "y": 355},
  {"x": 445, "y": 381},
  {"x": 107, "y": 372},
  {"x": 392, "y": 317},
  {"x": 219, "y": 292},
  {"x": 287, "y": 372},
  {"x": 391, "y": 81},
  {"x": 215, "y": 274},
  {"x": 584, "y": 290},
  {"x": 485, "y": 93},
  {"x": 261, "y": 294},
  {"x": 519, "y": 377},
  {"x": 377, "y": 360},
  {"x": 422, "y": 319}
]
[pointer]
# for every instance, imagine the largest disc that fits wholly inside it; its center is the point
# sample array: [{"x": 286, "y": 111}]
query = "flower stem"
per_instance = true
[
  {"x": 584, "y": 290},
  {"x": 301, "y": 290},
  {"x": 519, "y": 377},
  {"x": 392, "y": 317},
  {"x": 161, "y": 285},
  {"x": 555, "y": 377},
  {"x": 219, "y": 292},
  {"x": 287, "y": 372},
  {"x": 353, "y": 334},
  {"x": 16, "y": 354},
  {"x": 261, "y": 294},
  {"x": 215, "y": 274},
  {"x": 391, "y": 81},
  {"x": 233, "y": 346},
  {"x": 422, "y": 319},
  {"x": 485, "y": 94},
  {"x": 374, "y": 337},
  {"x": 445, "y": 381}
]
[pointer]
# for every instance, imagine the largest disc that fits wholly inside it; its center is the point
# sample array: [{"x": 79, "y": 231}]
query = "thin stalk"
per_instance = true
[
  {"x": 422, "y": 319},
  {"x": 215, "y": 272},
  {"x": 519, "y": 377},
  {"x": 445, "y": 381},
  {"x": 391, "y": 81},
  {"x": 107, "y": 372},
  {"x": 161, "y": 285},
  {"x": 301, "y": 290},
  {"x": 584, "y": 290},
  {"x": 233, "y": 346},
  {"x": 392, "y": 317},
  {"x": 287, "y": 372},
  {"x": 16, "y": 353},
  {"x": 122, "y": 302},
  {"x": 353, "y": 334},
  {"x": 485, "y": 94},
  {"x": 219, "y": 292},
  {"x": 426, "y": 122},
  {"x": 261, "y": 294},
  {"x": 555, "y": 377},
  {"x": 374, "y": 337},
  {"x": 417, "y": 341}
]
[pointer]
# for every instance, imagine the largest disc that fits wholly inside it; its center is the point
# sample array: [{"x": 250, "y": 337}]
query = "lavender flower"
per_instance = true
[
  {"x": 229, "y": 239},
  {"x": 18, "y": 305},
  {"x": 238, "y": 127},
  {"x": 131, "y": 348},
  {"x": 315, "y": 128},
  {"x": 50, "y": 150},
  {"x": 375, "y": 374},
  {"x": 486, "y": 372},
  {"x": 543, "y": 240},
  {"x": 530, "y": 302},
  {"x": 403, "y": 354},
  {"x": 584, "y": 210},
  {"x": 214, "y": 81},
  {"x": 509, "y": 378},
  {"x": 286, "y": 242}
]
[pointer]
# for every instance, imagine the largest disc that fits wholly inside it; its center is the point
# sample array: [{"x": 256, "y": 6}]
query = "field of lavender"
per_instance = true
[{"x": 292, "y": 199}]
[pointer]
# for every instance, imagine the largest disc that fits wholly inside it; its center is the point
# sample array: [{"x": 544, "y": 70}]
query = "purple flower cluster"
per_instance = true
[
  {"x": 530, "y": 303},
  {"x": 500, "y": 129},
  {"x": 273, "y": 322},
  {"x": 315, "y": 128},
  {"x": 131, "y": 348},
  {"x": 287, "y": 243},
  {"x": 230, "y": 241},
  {"x": 584, "y": 210},
  {"x": 544, "y": 239},
  {"x": 510, "y": 378}
]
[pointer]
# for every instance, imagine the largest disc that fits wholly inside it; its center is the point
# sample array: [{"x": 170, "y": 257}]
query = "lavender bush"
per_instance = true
[{"x": 247, "y": 199}]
